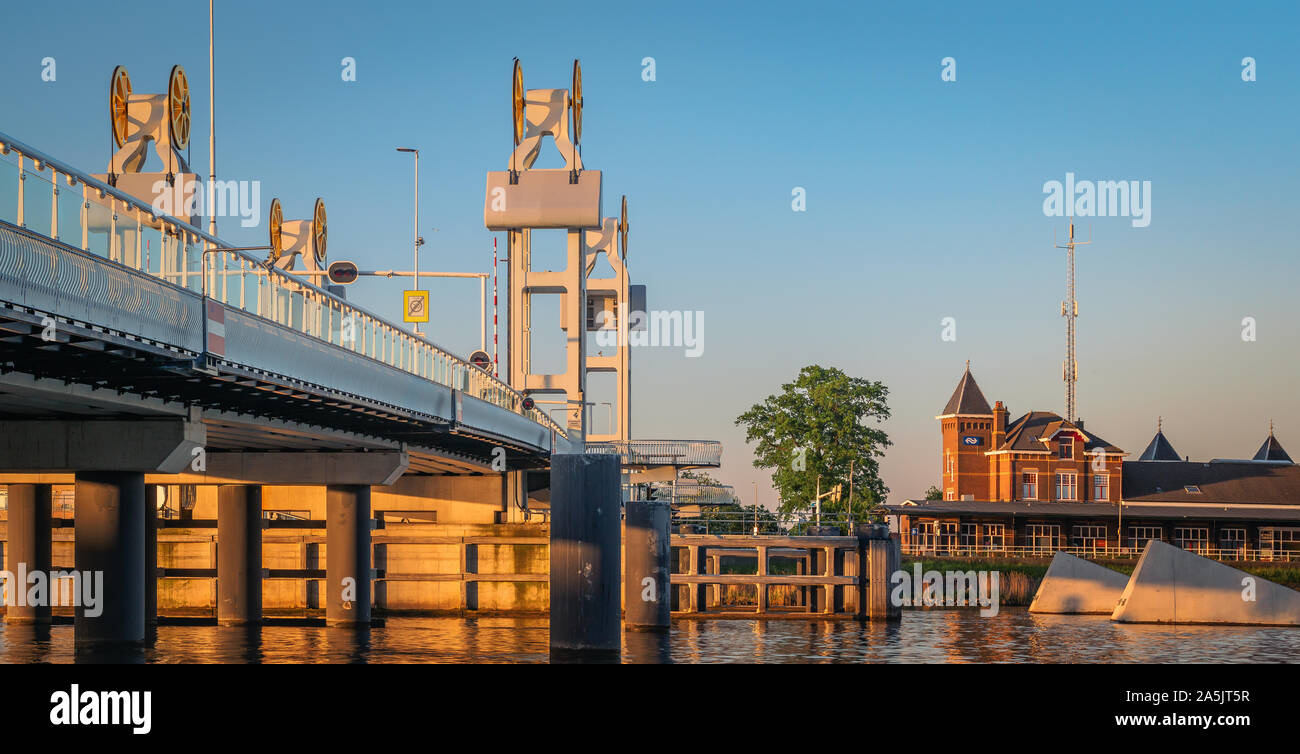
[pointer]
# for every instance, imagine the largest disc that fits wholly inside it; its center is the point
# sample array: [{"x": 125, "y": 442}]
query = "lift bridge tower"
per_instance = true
[{"x": 524, "y": 198}]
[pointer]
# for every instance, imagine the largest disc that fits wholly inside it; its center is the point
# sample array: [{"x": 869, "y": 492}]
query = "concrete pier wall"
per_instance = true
[
  {"x": 1171, "y": 585},
  {"x": 1073, "y": 585}
]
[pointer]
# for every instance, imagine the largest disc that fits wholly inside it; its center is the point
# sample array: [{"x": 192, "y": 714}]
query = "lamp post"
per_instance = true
[{"x": 418, "y": 240}]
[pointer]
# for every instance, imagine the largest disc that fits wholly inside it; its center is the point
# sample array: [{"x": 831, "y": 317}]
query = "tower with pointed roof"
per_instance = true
[
  {"x": 967, "y": 426},
  {"x": 1159, "y": 449},
  {"x": 1272, "y": 450}
]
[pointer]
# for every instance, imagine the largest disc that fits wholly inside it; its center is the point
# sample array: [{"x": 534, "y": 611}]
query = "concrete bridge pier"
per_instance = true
[
  {"x": 586, "y": 514},
  {"x": 110, "y": 556},
  {"x": 151, "y": 554},
  {"x": 239, "y": 554},
  {"x": 646, "y": 585},
  {"x": 29, "y": 551},
  {"x": 347, "y": 554}
]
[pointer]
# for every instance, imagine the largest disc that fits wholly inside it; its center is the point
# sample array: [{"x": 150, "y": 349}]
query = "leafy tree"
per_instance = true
[
  {"x": 820, "y": 424},
  {"x": 934, "y": 493}
]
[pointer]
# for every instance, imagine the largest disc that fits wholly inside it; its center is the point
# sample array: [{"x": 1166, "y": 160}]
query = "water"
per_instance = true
[{"x": 930, "y": 636}]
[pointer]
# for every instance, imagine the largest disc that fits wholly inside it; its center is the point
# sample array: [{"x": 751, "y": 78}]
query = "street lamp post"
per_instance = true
[{"x": 418, "y": 240}]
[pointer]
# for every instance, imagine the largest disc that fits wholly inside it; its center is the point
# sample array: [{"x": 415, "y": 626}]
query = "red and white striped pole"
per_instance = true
[{"x": 494, "y": 309}]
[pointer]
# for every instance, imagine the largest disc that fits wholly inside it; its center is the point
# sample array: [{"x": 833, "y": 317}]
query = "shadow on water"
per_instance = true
[{"x": 647, "y": 647}]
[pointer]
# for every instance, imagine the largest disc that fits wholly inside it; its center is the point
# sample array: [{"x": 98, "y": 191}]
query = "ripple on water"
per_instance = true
[{"x": 931, "y": 636}]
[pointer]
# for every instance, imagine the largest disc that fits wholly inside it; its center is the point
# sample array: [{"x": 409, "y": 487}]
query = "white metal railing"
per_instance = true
[
  {"x": 67, "y": 205},
  {"x": 662, "y": 452},
  {"x": 1046, "y": 551}
]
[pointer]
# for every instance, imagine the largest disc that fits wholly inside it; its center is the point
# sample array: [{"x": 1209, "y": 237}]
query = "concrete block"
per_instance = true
[
  {"x": 1171, "y": 585},
  {"x": 1073, "y": 585}
]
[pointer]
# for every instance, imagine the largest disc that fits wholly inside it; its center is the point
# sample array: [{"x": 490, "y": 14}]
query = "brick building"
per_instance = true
[{"x": 1042, "y": 483}]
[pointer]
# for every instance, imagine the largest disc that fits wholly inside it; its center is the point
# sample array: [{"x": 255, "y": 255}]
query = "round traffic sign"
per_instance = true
[{"x": 481, "y": 360}]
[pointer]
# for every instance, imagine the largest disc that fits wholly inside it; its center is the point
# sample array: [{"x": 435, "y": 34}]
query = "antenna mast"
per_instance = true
[{"x": 1070, "y": 310}]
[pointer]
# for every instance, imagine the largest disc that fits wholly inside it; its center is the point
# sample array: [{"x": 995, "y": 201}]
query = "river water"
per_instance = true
[{"x": 929, "y": 636}]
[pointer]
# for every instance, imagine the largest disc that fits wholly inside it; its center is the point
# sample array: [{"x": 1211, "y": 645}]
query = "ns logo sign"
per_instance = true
[{"x": 972, "y": 440}]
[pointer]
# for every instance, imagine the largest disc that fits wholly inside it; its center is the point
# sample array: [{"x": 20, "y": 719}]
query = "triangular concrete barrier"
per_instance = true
[
  {"x": 1073, "y": 585},
  {"x": 1171, "y": 585}
]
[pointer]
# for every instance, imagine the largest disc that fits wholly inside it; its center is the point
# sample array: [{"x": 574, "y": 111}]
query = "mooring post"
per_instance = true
[
  {"x": 586, "y": 514},
  {"x": 879, "y": 556},
  {"x": 646, "y": 584}
]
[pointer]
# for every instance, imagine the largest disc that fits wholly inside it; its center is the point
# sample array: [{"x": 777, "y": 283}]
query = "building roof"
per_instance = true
[
  {"x": 1227, "y": 482},
  {"x": 1189, "y": 511},
  {"x": 1159, "y": 449},
  {"x": 1029, "y": 432},
  {"x": 967, "y": 398},
  {"x": 1272, "y": 450}
]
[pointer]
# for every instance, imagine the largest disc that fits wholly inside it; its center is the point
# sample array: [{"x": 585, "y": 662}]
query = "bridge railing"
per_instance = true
[
  {"x": 46, "y": 196},
  {"x": 680, "y": 453}
]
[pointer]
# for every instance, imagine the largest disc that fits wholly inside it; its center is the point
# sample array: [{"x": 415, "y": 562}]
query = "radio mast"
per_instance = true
[{"x": 1070, "y": 310}]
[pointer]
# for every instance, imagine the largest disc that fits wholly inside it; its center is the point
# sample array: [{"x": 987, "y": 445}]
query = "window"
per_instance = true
[
  {"x": 1029, "y": 485},
  {"x": 947, "y": 536},
  {"x": 1101, "y": 487},
  {"x": 968, "y": 539},
  {"x": 1192, "y": 538},
  {"x": 1066, "y": 448},
  {"x": 1140, "y": 535},
  {"x": 947, "y": 459},
  {"x": 995, "y": 537},
  {"x": 1043, "y": 538},
  {"x": 1066, "y": 485},
  {"x": 948, "y": 494},
  {"x": 1088, "y": 536},
  {"x": 1232, "y": 539},
  {"x": 1279, "y": 539}
]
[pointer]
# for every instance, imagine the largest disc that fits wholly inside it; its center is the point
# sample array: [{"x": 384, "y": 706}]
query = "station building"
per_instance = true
[{"x": 1040, "y": 483}]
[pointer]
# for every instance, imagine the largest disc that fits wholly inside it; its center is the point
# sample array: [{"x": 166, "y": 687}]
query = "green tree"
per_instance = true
[
  {"x": 820, "y": 424},
  {"x": 934, "y": 493}
]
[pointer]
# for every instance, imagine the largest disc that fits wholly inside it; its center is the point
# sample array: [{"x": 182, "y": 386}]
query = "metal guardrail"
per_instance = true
[
  {"x": 86, "y": 213},
  {"x": 679, "y": 453}
]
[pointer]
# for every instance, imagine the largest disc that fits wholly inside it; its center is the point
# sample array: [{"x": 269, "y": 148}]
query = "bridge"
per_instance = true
[{"x": 140, "y": 354}]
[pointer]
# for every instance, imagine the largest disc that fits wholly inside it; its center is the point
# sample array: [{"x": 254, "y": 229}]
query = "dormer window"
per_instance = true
[{"x": 1065, "y": 450}]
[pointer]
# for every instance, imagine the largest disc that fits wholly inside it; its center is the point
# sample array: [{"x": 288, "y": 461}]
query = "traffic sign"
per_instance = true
[
  {"x": 415, "y": 306},
  {"x": 342, "y": 273},
  {"x": 481, "y": 360}
]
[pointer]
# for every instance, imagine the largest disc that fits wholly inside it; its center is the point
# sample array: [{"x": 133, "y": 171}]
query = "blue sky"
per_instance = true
[{"x": 924, "y": 198}]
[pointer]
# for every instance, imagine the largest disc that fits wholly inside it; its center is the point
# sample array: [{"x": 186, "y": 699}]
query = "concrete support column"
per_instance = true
[
  {"x": 28, "y": 551},
  {"x": 239, "y": 554},
  {"x": 585, "y": 537},
  {"x": 151, "y": 493},
  {"x": 715, "y": 568},
  {"x": 347, "y": 554},
  {"x": 762, "y": 571},
  {"x": 110, "y": 556},
  {"x": 646, "y": 584}
]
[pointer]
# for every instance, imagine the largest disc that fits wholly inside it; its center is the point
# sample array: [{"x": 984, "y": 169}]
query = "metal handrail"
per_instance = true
[
  {"x": 291, "y": 281},
  {"x": 662, "y": 452}
]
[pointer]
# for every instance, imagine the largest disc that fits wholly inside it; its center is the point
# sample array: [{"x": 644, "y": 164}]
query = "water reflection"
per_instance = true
[{"x": 922, "y": 636}]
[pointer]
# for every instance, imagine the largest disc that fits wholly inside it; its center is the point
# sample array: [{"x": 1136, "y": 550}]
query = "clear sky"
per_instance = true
[{"x": 924, "y": 197}]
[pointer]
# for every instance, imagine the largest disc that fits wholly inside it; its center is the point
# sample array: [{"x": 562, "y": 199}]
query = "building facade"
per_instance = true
[{"x": 1039, "y": 483}]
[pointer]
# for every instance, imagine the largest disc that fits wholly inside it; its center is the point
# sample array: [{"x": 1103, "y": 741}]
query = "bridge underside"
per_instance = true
[{"x": 80, "y": 371}]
